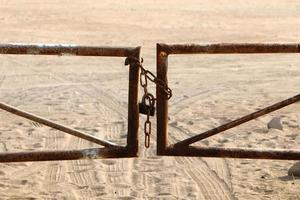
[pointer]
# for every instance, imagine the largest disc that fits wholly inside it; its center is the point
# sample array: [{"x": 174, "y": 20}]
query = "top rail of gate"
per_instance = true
[
  {"x": 67, "y": 50},
  {"x": 228, "y": 48}
]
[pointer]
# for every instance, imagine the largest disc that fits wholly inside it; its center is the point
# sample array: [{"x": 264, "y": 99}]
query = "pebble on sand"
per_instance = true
[
  {"x": 275, "y": 123},
  {"x": 294, "y": 170}
]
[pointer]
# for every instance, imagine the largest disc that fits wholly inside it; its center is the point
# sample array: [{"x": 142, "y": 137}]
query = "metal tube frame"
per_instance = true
[
  {"x": 183, "y": 148},
  {"x": 110, "y": 149}
]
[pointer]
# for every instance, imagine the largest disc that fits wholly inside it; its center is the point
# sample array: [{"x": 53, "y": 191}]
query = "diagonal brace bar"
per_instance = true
[
  {"x": 56, "y": 126},
  {"x": 239, "y": 121}
]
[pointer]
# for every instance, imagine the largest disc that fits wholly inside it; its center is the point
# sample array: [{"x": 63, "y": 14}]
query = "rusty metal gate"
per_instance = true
[
  {"x": 109, "y": 150},
  {"x": 183, "y": 148},
  {"x": 163, "y": 93}
]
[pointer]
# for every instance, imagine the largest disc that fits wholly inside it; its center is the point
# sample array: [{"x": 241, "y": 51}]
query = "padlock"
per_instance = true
[{"x": 143, "y": 109}]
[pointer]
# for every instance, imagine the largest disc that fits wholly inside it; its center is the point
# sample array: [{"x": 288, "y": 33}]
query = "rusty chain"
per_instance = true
[{"x": 148, "y": 99}]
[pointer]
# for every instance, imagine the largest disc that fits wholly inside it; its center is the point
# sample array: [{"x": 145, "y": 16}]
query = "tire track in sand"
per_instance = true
[
  {"x": 217, "y": 185},
  {"x": 219, "y": 165},
  {"x": 210, "y": 184},
  {"x": 52, "y": 169},
  {"x": 80, "y": 173},
  {"x": 53, "y": 172},
  {"x": 83, "y": 172}
]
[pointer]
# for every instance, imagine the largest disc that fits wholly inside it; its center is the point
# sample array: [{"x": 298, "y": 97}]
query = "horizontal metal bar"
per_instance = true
[
  {"x": 93, "y": 153},
  {"x": 232, "y": 153},
  {"x": 229, "y": 48},
  {"x": 54, "y": 125},
  {"x": 239, "y": 121},
  {"x": 66, "y": 49}
]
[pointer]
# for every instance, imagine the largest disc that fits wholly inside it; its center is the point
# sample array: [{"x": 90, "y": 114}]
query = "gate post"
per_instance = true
[
  {"x": 133, "y": 110},
  {"x": 162, "y": 101}
]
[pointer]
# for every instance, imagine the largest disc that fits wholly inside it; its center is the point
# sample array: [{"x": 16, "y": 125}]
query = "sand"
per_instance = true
[{"x": 90, "y": 94}]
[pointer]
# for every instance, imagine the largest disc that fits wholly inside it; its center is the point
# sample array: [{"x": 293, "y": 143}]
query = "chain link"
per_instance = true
[
  {"x": 148, "y": 99},
  {"x": 160, "y": 83}
]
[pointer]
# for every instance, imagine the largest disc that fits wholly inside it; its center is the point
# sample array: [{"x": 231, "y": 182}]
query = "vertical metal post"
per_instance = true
[
  {"x": 162, "y": 101},
  {"x": 133, "y": 111}
]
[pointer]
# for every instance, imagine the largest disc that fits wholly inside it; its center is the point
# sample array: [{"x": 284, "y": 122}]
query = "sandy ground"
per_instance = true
[{"x": 90, "y": 94}]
